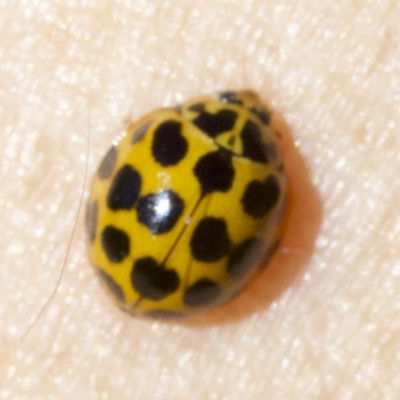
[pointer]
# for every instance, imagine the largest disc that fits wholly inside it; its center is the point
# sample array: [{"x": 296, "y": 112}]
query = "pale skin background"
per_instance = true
[{"x": 323, "y": 322}]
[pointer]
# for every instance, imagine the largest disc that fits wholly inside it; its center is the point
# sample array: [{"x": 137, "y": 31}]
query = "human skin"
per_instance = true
[{"x": 323, "y": 320}]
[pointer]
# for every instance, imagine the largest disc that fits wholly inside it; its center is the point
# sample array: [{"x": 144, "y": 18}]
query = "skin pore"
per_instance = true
[{"x": 322, "y": 322}]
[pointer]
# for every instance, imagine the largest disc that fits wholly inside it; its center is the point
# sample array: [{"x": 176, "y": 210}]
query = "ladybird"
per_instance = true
[{"x": 187, "y": 208}]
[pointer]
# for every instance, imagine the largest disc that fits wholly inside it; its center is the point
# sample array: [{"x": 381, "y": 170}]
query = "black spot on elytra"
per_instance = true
[
  {"x": 160, "y": 211},
  {"x": 116, "y": 243},
  {"x": 92, "y": 212},
  {"x": 210, "y": 240},
  {"x": 153, "y": 281},
  {"x": 215, "y": 124},
  {"x": 253, "y": 145},
  {"x": 169, "y": 145},
  {"x": 140, "y": 132},
  {"x": 215, "y": 171},
  {"x": 244, "y": 257},
  {"x": 125, "y": 188},
  {"x": 272, "y": 151},
  {"x": 262, "y": 114},
  {"x": 108, "y": 163},
  {"x": 260, "y": 197},
  {"x": 114, "y": 288},
  {"x": 202, "y": 293}
]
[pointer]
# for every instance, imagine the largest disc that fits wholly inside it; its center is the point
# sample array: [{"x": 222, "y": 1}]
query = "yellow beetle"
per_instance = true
[{"x": 186, "y": 207}]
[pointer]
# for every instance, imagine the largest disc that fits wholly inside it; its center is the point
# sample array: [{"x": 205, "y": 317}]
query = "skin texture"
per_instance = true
[{"x": 323, "y": 321}]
